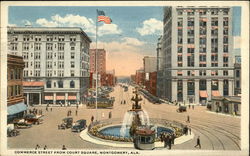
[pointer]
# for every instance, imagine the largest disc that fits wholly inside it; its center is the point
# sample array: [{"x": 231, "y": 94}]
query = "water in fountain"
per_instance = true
[{"x": 128, "y": 118}]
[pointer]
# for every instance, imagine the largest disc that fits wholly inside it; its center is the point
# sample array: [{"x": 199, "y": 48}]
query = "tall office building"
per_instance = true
[
  {"x": 160, "y": 69},
  {"x": 58, "y": 57},
  {"x": 197, "y": 42}
]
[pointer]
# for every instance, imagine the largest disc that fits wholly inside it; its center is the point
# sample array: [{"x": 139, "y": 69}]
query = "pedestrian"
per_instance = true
[
  {"x": 189, "y": 106},
  {"x": 188, "y": 119},
  {"x": 76, "y": 106},
  {"x": 92, "y": 118},
  {"x": 68, "y": 113},
  {"x": 162, "y": 137},
  {"x": 198, "y": 142},
  {"x": 63, "y": 148},
  {"x": 76, "y": 112},
  {"x": 51, "y": 109},
  {"x": 46, "y": 108},
  {"x": 37, "y": 147},
  {"x": 110, "y": 115},
  {"x": 124, "y": 102},
  {"x": 192, "y": 106},
  {"x": 173, "y": 138},
  {"x": 166, "y": 140},
  {"x": 45, "y": 147},
  {"x": 190, "y": 130},
  {"x": 121, "y": 102},
  {"x": 169, "y": 142}
]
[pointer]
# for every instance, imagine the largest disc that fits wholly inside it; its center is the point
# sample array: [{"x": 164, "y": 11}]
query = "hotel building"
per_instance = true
[
  {"x": 197, "y": 42},
  {"x": 56, "y": 62}
]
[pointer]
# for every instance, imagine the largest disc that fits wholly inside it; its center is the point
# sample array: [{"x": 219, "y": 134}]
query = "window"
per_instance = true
[
  {"x": 48, "y": 84},
  {"x": 72, "y": 84},
  {"x": 225, "y": 40},
  {"x": 225, "y": 12},
  {"x": 190, "y": 32},
  {"x": 72, "y": 64},
  {"x": 13, "y": 46},
  {"x": 203, "y": 85},
  {"x": 214, "y": 32},
  {"x": 180, "y": 12},
  {"x": 26, "y": 38},
  {"x": 61, "y": 64},
  {"x": 60, "y": 38},
  {"x": 202, "y": 73},
  {"x": 225, "y": 31},
  {"x": 179, "y": 40},
  {"x": 72, "y": 38},
  {"x": 72, "y": 48},
  {"x": 180, "y": 22},
  {"x": 60, "y": 84},
  {"x": 60, "y": 55},
  {"x": 38, "y": 38},
  {"x": 190, "y": 60},
  {"x": 49, "y": 46},
  {"x": 225, "y": 59},
  {"x": 180, "y": 32},
  {"x": 37, "y": 55},
  {"x": 238, "y": 84},
  {"x": 179, "y": 58},
  {"x": 214, "y": 12},
  {"x": 214, "y": 58},
  {"x": 203, "y": 49},
  {"x": 61, "y": 46},
  {"x": 49, "y": 38},
  {"x": 215, "y": 84},
  {"x": 37, "y": 64},
  {"x": 214, "y": 21},
  {"x": 203, "y": 40},
  {"x": 31, "y": 73},
  {"x": 54, "y": 84},
  {"x": 179, "y": 49},
  {"x": 225, "y": 73},
  {"x": 72, "y": 73},
  {"x": 190, "y": 40},
  {"x": 49, "y": 55},
  {"x": 25, "y": 46},
  {"x": 202, "y": 58},
  {"x": 214, "y": 40},
  {"x": 190, "y": 50},
  {"x": 215, "y": 64},
  {"x": 37, "y": 46},
  {"x": 72, "y": 55},
  {"x": 49, "y": 64},
  {"x": 214, "y": 72},
  {"x": 190, "y": 12},
  {"x": 49, "y": 73},
  {"x": 225, "y": 21},
  {"x": 37, "y": 73},
  {"x": 203, "y": 31},
  {"x": 237, "y": 73},
  {"x": 190, "y": 87},
  {"x": 61, "y": 73},
  {"x": 190, "y": 22}
]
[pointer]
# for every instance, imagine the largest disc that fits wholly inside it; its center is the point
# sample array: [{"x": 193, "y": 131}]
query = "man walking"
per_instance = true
[
  {"x": 188, "y": 119},
  {"x": 76, "y": 112},
  {"x": 198, "y": 142}
]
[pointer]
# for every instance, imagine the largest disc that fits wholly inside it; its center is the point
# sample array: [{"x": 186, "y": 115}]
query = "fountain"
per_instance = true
[{"x": 135, "y": 128}]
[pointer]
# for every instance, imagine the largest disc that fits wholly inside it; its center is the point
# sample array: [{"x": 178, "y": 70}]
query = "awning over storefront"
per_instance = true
[
  {"x": 33, "y": 83},
  {"x": 71, "y": 97},
  {"x": 48, "y": 97},
  {"x": 215, "y": 93},
  {"x": 17, "y": 108},
  {"x": 60, "y": 97},
  {"x": 203, "y": 94}
]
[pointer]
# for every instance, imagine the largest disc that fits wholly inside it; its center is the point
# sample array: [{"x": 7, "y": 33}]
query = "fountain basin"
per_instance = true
[{"x": 114, "y": 131}]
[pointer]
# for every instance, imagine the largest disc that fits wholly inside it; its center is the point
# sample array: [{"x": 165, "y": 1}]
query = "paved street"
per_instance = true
[{"x": 217, "y": 132}]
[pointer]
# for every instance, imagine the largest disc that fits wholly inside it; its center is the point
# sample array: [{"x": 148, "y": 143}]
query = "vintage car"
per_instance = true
[
  {"x": 33, "y": 119},
  {"x": 182, "y": 109},
  {"x": 21, "y": 123},
  {"x": 66, "y": 123},
  {"x": 11, "y": 131},
  {"x": 79, "y": 125}
]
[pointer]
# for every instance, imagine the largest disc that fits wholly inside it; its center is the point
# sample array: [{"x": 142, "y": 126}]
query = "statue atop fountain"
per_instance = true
[{"x": 136, "y": 106}]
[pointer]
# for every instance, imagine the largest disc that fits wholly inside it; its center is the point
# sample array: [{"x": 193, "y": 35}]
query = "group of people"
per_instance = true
[
  {"x": 36, "y": 111},
  {"x": 168, "y": 139},
  {"x": 45, "y": 147},
  {"x": 69, "y": 113},
  {"x": 123, "y": 101}
]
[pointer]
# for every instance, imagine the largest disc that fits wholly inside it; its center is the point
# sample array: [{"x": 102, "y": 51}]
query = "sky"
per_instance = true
[{"x": 132, "y": 35}]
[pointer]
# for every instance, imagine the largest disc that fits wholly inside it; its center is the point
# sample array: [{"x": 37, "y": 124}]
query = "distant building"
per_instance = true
[
  {"x": 101, "y": 65},
  {"x": 140, "y": 77},
  {"x": 56, "y": 62},
  {"x": 237, "y": 75},
  {"x": 149, "y": 64},
  {"x": 15, "y": 98},
  {"x": 160, "y": 69},
  {"x": 132, "y": 78},
  {"x": 198, "y": 43},
  {"x": 108, "y": 79}
]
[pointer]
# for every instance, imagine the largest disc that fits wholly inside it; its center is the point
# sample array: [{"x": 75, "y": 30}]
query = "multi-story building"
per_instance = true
[
  {"x": 15, "y": 98},
  {"x": 140, "y": 77},
  {"x": 59, "y": 57},
  {"x": 197, "y": 42},
  {"x": 160, "y": 67},
  {"x": 101, "y": 65},
  {"x": 237, "y": 75}
]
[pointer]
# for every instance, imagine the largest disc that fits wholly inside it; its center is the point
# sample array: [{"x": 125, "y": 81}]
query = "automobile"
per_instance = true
[
  {"x": 66, "y": 123},
  {"x": 21, "y": 123},
  {"x": 79, "y": 125},
  {"x": 11, "y": 131},
  {"x": 33, "y": 119},
  {"x": 182, "y": 109}
]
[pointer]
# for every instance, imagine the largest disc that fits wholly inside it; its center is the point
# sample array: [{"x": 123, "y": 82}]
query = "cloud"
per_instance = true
[
  {"x": 87, "y": 24},
  {"x": 124, "y": 55},
  {"x": 150, "y": 26},
  {"x": 26, "y": 22}
]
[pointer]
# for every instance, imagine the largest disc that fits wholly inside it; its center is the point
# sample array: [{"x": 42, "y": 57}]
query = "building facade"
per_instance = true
[
  {"x": 197, "y": 42},
  {"x": 140, "y": 77},
  {"x": 59, "y": 57},
  {"x": 160, "y": 66},
  {"x": 237, "y": 75},
  {"x": 15, "y": 98}
]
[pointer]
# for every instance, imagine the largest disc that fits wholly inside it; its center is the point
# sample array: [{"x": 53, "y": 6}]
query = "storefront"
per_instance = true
[{"x": 16, "y": 111}]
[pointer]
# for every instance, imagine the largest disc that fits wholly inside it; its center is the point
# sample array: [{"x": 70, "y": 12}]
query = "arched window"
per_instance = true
[
  {"x": 60, "y": 84},
  {"x": 72, "y": 84},
  {"x": 48, "y": 84}
]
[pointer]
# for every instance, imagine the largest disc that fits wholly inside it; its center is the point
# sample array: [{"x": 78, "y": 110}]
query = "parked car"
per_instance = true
[
  {"x": 66, "y": 123},
  {"x": 11, "y": 131},
  {"x": 21, "y": 123},
  {"x": 182, "y": 109},
  {"x": 79, "y": 125},
  {"x": 33, "y": 119}
]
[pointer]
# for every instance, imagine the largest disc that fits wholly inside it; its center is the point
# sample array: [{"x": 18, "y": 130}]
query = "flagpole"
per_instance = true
[{"x": 96, "y": 64}]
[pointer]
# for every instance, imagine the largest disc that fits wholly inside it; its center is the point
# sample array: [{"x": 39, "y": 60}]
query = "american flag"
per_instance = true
[{"x": 102, "y": 17}]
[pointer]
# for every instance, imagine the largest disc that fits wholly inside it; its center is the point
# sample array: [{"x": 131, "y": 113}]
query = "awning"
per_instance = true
[
  {"x": 215, "y": 93},
  {"x": 71, "y": 97},
  {"x": 48, "y": 98},
  {"x": 17, "y": 108},
  {"x": 60, "y": 97},
  {"x": 33, "y": 83},
  {"x": 203, "y": 94}
]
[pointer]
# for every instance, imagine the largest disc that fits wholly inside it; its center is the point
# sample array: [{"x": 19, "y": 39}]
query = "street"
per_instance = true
[{"x": 217, "y": 132}]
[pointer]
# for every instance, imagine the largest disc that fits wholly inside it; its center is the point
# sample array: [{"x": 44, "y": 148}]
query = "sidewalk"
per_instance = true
[{"x": 222, "y": 114}]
